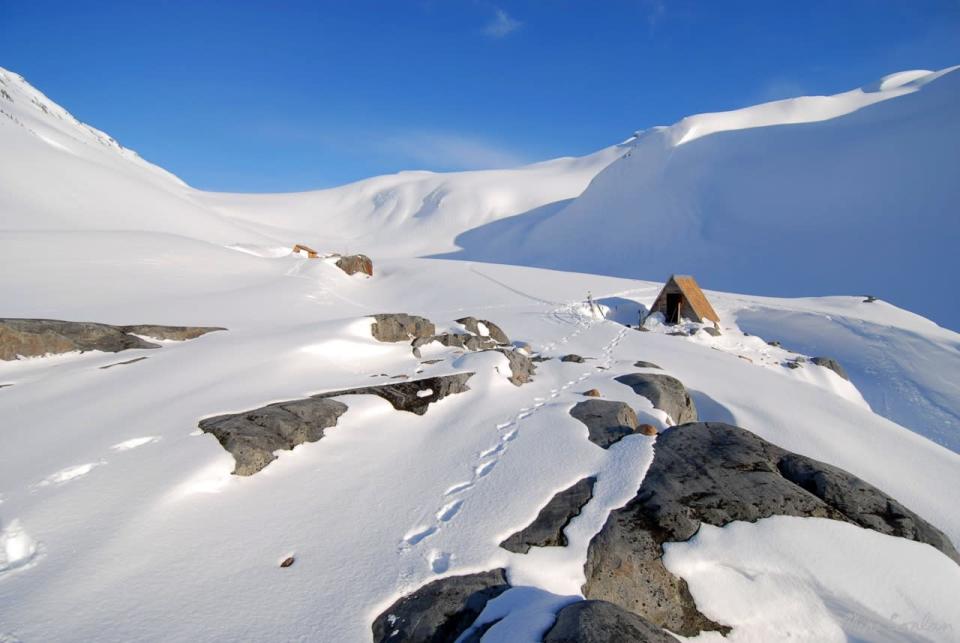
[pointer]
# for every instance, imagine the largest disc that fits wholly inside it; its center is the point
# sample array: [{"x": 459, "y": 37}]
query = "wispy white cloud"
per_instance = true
[
  {"x": 450, "y": 151},
  {"x": 656, "y": 10},
  {"x": 501, "y": 24}
]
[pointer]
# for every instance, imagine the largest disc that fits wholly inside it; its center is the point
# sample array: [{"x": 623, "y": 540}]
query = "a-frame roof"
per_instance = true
[{"x": 694, "y": 296}]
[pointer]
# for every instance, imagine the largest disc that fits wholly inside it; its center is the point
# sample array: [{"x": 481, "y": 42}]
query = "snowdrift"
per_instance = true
[{"x": 846, "y": 194}]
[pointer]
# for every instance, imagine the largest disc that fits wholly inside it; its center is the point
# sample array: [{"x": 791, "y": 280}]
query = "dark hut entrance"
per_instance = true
[
  {"x": 674, "y": 300},
  {"x": 681, "y": 298}
]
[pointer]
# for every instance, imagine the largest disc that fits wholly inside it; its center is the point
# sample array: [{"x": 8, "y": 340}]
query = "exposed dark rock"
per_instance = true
[
  {"x": 175, "y": 333},
  {"x": 710, "y": 330},
  {"x": 455, "y": 340},
  {"x": 603, "y": 622},
  {"x": 832, "y": 364},
  {"x": 129, "y": 361},
  {"x": 252, "y": 437},
  {"x": 572, "y": 358},
  {"x": 522, "y": 367},
  {"x": 352, "y": 264},
  {"x": 667, "y": 393},
  {"x": 36, "y": 337},
  {"x": 440, "y": 611},
  {"x": 288, "y": 561},
  {"x": 592, "y": 393},
  {"x": 401, "y": 327},
  {"x": 607, "y": 421},
  {"x": 774, "y": 343},
  {"x": 870, "y": 299},
  {"x": 717, "y": 473},
  {"x": 547, "y": 528},
  {"x": 792, "y": 364},
  {"x": 476, "y": 634},
  {"x": 643, "y": 364},
  {"x": 472, "y": 324},
  {"x": 411, "y": 396}
]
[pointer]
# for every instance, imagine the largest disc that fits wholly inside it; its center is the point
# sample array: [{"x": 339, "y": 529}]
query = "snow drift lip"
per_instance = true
[
  {"x": 39, "y": 337},
  {"x": 253, "y": 436}
]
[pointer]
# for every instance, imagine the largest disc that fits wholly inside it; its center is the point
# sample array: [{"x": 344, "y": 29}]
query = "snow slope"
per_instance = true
[
  {"x": 846, "y": 194},
  {"x": 118, "y": 521}
]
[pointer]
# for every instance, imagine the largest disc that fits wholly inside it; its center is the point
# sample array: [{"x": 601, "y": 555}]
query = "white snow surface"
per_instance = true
[
  {"x": 823, "y": 195},
  {"x": 119, "y": 521}
]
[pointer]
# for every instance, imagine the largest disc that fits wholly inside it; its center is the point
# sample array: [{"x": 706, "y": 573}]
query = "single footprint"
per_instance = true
[
  {"x": 133, "y": 443},
  {"x": 70, "y": 473},
  {"x": 440, "y": 561},
  {"x": 449, "y": 510},
  {"x": 492, "y": 451},
  {"x": 504, "y": 425},
  {"x": 485, "y": 467},
  {"x": 507, "y": 437},
  {"x": 418, "y": 534},
  {"x": 457, "y": 488}
]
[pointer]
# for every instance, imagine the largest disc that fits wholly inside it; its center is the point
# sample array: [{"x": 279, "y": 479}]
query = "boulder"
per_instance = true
[
  {"x": 643, "y": 364},
  {"x": 413, "y": 396},
  {"x": 37, "y": 337},
  {"x": 665, "y": 392},
  {"x": 603, "y": 622},
  {"x": 572, "y": 358},
  {"x": 252, "y": 437},
  {"x": 716, "y": 473},
  {"x": 607, "y": 421},
  {"x": 401, "y": 327},
  {"x": 440, "y": 611},
  {"x": 592, "y": 393},
  {"x": 352, "y": 264},
  {"x": 522, "y": 367},
  {"x": 547, "y": 528},
  {"x": 472, "y": 324},
  {"x": 832, "y": 364},
  {"x": 455, "y": 340}
]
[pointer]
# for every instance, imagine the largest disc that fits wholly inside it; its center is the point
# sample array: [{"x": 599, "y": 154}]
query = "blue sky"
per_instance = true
[{"x": 276, "y": 96}]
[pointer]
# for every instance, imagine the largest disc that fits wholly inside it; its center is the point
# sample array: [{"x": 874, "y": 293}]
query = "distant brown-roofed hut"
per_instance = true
[
  {"x": 307, "y": 250},
  {"x": 681, "y": 298}
]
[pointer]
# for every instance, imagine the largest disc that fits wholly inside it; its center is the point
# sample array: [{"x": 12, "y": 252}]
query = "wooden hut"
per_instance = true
[
  {"x": 681, "y": 298},
  {"x": 301, "y": 249}
]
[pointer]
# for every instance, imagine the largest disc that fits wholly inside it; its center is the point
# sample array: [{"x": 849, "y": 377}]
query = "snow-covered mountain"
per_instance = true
[
  {"x": 119, "y": 516},
  {"x": 845, "y": 194}
]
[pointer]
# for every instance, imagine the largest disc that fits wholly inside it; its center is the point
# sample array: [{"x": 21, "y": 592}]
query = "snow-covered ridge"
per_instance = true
[{"x": 846, "y": 194}]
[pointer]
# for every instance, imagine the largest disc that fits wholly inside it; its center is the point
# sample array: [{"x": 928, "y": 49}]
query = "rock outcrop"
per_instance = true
[
  {"x": 643, "y": 364},
  {"x": 37, "y": 337},
  {"x": 602, "y": 622},
  {"x": 572, "y": 358},
  {"x": 440, "y": 611},
  {"x": 413, "y": 396},
  {"x": 547, "y": 528},
  {"x": 352, "y": 264},
  {"x": 455, "y": 340},
  {"x": 607, "y": 421},
  {"x": 401, "y": 327},
  {"x": 522, "y": 367},
  {"x": 665, "y": 392},
  {"x": 252, "y": 437},
  {"x": 717, "y": 473},
  {"x": 832, "y": 364},
  {"x": 472, "y": 324}
]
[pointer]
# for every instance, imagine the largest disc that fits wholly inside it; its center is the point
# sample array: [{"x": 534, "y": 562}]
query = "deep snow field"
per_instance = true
[{"x": 120, "y": 520}]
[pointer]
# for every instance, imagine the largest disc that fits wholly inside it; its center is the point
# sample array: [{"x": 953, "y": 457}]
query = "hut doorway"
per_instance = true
[{"x": 674, "y": 301}]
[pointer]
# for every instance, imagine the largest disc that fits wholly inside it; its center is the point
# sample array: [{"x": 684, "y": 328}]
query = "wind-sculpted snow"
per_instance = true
[
  {"x": 110, "y": 500},
  {"x": 847, "y": 194}
]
